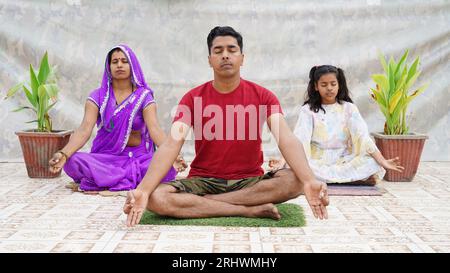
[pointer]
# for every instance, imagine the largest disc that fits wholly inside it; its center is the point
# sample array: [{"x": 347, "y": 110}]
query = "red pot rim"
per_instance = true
[{"x": 408, "y": 136}]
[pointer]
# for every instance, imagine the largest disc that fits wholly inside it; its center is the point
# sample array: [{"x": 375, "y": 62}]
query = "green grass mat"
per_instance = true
[{"x": 291, "y": 216}]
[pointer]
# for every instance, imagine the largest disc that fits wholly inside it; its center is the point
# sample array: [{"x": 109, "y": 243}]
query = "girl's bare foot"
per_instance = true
[{"x": 371, "y": 181}]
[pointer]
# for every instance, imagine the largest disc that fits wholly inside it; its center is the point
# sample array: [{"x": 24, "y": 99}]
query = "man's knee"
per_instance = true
[
  {"x": 159, "y": 200},
  {"x": 292, "y": 184}
]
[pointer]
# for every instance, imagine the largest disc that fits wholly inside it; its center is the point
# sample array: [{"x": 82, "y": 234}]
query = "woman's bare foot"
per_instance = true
[
  {"x": 91, "y": 192},
  {"x": 265, "y": 211},
  {"x": 73, "y": 186}
]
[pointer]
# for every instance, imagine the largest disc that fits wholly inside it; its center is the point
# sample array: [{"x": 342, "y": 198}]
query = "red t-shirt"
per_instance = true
[{"x": 227, "y": 129}]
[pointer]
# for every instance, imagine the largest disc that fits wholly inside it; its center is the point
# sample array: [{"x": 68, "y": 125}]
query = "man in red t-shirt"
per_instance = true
[{"x": 226, "y": 178}]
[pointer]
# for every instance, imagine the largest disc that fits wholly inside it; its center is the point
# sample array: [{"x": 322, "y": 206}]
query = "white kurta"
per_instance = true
[{"x": 337, "y": 143}]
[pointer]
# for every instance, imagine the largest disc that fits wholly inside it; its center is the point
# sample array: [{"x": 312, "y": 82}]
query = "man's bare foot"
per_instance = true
[{"x": 265, "y": 211}]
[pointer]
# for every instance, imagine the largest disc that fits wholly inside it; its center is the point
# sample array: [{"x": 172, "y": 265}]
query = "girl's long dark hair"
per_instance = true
[{"x": 312, "y": 97}]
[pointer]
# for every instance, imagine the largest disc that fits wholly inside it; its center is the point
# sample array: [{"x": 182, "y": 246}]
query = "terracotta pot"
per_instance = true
[
  {"x": 407, "y": 147},
  {"x": 38, "y": 148}
]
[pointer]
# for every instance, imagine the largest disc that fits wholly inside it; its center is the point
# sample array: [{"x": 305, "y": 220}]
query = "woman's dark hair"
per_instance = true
[
  {"x": 312, "y": 97},
  {"x": 110, "y": 53},
  {"x": 224, "y": 31}
]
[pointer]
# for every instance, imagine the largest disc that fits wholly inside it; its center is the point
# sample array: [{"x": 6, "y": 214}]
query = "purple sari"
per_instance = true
[{"x": 111, "y": 165}]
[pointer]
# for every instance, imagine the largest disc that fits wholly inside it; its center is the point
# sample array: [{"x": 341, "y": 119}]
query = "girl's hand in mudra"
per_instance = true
[
  {"x": 393, "y": 164},
  {"x": 57, "y": 162},
  {"x": 180, "y": 165}
]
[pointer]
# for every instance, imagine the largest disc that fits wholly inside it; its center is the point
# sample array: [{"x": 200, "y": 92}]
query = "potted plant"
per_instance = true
[
  {"x": 392, "y": 94},
  {"x": 38, "y": 145}
]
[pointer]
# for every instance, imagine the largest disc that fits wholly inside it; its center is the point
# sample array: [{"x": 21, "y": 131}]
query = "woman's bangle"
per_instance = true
[{"x": 64, "y": 154}]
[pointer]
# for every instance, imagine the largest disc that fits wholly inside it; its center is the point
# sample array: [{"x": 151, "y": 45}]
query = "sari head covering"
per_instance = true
[{"x": 115, "y": 122}]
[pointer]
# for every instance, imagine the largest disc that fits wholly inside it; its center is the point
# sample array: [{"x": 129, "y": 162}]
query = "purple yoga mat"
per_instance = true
[{"x": 355, "y": 190}]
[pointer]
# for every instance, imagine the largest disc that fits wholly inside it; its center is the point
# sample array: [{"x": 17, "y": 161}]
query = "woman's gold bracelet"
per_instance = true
[{"x": 64, "y": 154}]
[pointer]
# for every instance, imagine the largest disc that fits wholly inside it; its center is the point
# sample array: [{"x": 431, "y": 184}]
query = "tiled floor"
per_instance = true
[{"x": 41, "y": 215}]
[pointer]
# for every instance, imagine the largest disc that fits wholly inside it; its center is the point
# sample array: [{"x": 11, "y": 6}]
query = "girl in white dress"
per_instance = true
[{"x": 334, "y": 135}]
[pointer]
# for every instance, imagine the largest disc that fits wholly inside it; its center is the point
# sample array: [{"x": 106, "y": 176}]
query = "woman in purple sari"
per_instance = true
[{"x": 125, "y": 113}]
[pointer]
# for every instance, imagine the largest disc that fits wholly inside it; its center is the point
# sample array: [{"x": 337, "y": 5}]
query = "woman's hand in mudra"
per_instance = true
[
  {"x": 276, "y": 164},
  {"x": 179, "y": 164},
  {"x": 57, "y": 162}
]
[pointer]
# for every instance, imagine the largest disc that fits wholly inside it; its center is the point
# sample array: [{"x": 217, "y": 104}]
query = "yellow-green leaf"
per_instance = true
[
  {"x": 416, "y": 93},
  {"x": 13, "y": 90},
  {"x": 383, "y": 62},
  {"x": 394, "y": 101},
  {"x": 410, "y": 82},
  {"x": 378, "y": 96},
  {"x": 382, "y": 81}
]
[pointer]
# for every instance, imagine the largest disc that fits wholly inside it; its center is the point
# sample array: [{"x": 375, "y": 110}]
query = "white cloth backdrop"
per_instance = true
[{"x": 282, "y": 40}]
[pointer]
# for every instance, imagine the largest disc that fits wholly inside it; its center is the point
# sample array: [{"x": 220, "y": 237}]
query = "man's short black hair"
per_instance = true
[{"x": 224, "y": 31}]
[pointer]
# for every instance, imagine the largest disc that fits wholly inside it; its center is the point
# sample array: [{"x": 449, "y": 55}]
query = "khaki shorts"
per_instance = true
[{"x": 206, "y": 185}]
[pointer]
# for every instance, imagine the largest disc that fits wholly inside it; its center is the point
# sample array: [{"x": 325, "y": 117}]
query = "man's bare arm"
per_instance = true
[
  {"x": 164, "y": 157},
  {"x": 291, "y": 148}
]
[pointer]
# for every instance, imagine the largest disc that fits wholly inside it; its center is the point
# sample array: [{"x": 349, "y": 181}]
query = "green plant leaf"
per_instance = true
[
  {"x": 404, "y": 127},
  {"x": 383, "y": 62},
  {"x": 396, "y": 120},
  {"x": 52, "y": 78},
  {"x": 52, "y": 90},
  {"x": 29, "y": 96},
  {"x": 44, "y": 69},
  {"x": 382, "y": 81},
  {"x": 40, "y": 90},
  {"x": 412, "y": 71},
  {"x": 43, "y": 104},
  {"x": 412, "y": 80},
  {"x": 400, "y": 63},
  {"x": 389, "y": 125},
  {"x": 394, "y": 101},
  {"x": 417, "y": 92},
  {"x": 47, "y": 124},
  {"x": 34, "y": 84},
  {"x": 22, "y": 108},
  {"x": 384, "y": 110},
  {"x": 32, "y": 121},
  {"x": 399, "y": 77},
  {"x": 50, "y": 106},
  {"x": 391, "y": 77},
  {"x": 13, "y": 90},
  {"x": 402, "y": 118},
  {"x": 402, "y": 80},
  {"x": 379, "y": 98}
]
